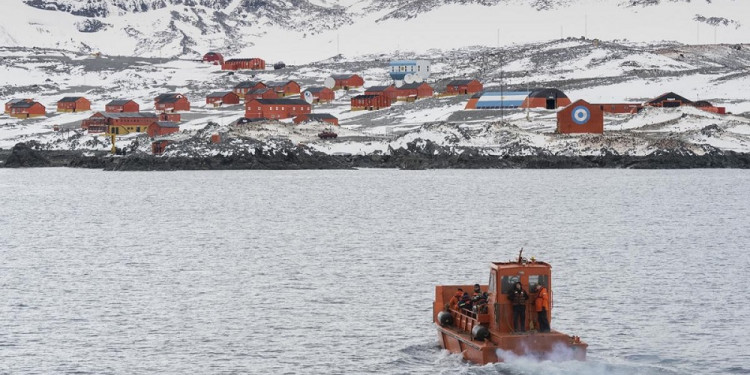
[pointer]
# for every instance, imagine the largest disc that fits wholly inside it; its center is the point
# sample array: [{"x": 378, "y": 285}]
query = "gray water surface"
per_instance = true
[{"x": 323, "y": 272}]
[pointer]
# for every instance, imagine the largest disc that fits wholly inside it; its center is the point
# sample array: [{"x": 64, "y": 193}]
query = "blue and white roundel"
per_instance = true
[{"x": 581, "y": 115}]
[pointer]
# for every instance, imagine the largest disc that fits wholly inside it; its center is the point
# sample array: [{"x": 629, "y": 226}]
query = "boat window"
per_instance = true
[
  {"x": 508, "y": 282},
  {"x": 535, "y": 279},
  {"x": 492, "y": 281}
]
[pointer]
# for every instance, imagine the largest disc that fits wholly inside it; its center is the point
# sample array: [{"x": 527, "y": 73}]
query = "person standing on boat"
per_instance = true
[
  {"x": 518, "y": 297},
  {"x": 542, "y": 307},
  {"x": 479, "y": 300},
  {"x": 453, "y": 304}
]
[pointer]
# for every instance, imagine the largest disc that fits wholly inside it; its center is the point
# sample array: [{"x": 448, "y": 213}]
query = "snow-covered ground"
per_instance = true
[{"x": 597, "y": 71}]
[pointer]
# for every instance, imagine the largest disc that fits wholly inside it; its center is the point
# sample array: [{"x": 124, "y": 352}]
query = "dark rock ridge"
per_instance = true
[{"x": 425, "y": 156}]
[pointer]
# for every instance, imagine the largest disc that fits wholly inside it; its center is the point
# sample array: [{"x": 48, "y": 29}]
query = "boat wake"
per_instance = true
[{"x": 558, "y": 362}]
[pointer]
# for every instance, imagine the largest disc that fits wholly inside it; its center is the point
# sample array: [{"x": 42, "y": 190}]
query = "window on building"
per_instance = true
[{"x": 539, "y": 279}]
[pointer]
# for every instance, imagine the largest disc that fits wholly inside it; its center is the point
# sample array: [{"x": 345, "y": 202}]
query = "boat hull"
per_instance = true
[{"x": 551, "y": 345}]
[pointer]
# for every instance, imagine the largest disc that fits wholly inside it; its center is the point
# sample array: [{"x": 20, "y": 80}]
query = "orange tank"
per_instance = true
[{"x": 485, "y": 333}]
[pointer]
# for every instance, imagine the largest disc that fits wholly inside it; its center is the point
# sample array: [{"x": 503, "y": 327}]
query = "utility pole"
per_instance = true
[
  {"x": 586, "y": 26},
  {"x": 502, "y": 94},
  {"x": 338, "y": 44},
  {"x": 528, "y": 97}
]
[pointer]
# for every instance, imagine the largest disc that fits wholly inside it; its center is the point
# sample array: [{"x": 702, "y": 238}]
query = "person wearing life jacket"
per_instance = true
[
  {"x": 479, "y": 300},
  {"x": 453, "y": 304},
  {"x": 465, "y": 303},
  {"x": 542, "y": 307},
  {"x": 518, "y": 298}
]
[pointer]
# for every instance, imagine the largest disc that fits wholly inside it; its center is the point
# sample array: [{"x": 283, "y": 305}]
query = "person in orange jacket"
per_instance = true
[
  {"x": 453, "y": 304},
  {"x": 542, "y": 307}
]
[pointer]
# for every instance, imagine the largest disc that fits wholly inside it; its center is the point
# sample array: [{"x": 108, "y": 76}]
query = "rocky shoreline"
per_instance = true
[{"x": 430, "y": 156}]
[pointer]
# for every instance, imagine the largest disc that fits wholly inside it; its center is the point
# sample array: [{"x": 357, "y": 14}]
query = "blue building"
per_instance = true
[{"x": 400, "y": 68}]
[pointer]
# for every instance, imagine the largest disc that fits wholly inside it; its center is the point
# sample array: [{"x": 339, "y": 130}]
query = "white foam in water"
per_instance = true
[{"x": 560, "y": 361}]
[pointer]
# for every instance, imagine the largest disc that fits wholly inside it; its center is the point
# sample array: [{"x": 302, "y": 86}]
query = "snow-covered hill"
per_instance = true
[
  {"x": 306, "y": 30},
  {"x": 596, "y": 71}
]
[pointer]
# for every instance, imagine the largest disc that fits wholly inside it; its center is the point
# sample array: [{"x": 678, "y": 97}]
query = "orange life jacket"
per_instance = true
[
  {"x": 542, "y": 300},
  {"x": 453, "y": 304}
]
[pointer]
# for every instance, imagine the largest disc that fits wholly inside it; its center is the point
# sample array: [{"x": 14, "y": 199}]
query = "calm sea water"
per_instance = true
[{"x": 334, "y": 271}]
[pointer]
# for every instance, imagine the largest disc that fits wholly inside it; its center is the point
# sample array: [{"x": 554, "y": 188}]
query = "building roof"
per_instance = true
[
  {"x": 547, "y": 93},
  {"x": 70, "y": 99},
  {"x": 245, "y": 84},
  {"x": 282, "y": 101},
  {"x": 259, "y": 91},
  {"x": 167, "y": 124},
  {"x": 379, "y": 88},
  {"x": 219, "y": 94},
  {"x": 243, "y": 59},
  {"x": 365, "y": 96},
  {"x": 119, "y": 102},
  {"x": 669, "y": 96},
  {"x": 128, "y": 114},
  {"x": 279, "y": 83},
  {"x": 412, "y": 86},
  {"x": 460, "y": 82},
  {"x": 343, "y": 76},
  {"x": 171, "y": 98},
  {"x": 319, "y": 116},
  {"x": 13, "y": 101},
  {"x": 316, "y": 89},
  {"x": 408, "y": 62},
  {"x": 25, "y": 104},
  {"x": 212, "y": 54}
]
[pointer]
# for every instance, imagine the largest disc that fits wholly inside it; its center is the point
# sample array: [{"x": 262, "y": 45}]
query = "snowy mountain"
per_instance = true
[{"x": 308, "y": 30}]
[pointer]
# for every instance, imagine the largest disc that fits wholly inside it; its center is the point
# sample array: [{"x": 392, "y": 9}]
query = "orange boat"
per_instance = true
[{"x": 485, "y": 332}]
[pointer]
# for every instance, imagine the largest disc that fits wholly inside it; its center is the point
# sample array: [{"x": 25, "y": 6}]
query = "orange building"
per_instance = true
[
  {"x": 222, "y": 97},
  {"x": 546, "y": 98},
  {"x": 11, "y": 102},
  {"x": 580, "y": 117},
  {"x": 283, "y": 89},
  {"x": 73, "y": 104},
  {"x": 414, "y": 91},
  {"x": 347, "y": 81},
  {"x": 27, "y": 109},
  {"x": 320, "y": 94},
  {"x": 370, "y": 102},
  {"x": 669, "y": 100},
  {"x": 214, "y": 58},
  {"x": 171, "y": 102},
  {"x": 264, "y": 93},
  {"x": 244, "y": 63},
  {"x": 122, "y": 105},
  {"x": 620, "y": 107},
  {"x": 463, "y": 87},
  {"x": 158, "y": 128},
  {"x": 389, "y": 92},
  {"x": 276, "y": 108}
]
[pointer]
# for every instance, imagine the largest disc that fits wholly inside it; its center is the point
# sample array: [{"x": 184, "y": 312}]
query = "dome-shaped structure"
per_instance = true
[{"x": 549, "y": 98}]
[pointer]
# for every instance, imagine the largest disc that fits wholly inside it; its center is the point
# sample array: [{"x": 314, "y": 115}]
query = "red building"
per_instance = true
[
  {"x": 669, "y": 100},
  {"x": 264, "y": 93},
  {"x": 73, "y": 104},
  {"x": 347, "y": 81},
  {"x": 11, "y": 102},
  {"x": 414, "y": 91},
  {"x": 463, "y": 87},
  {"x": 389, "y": 91},
  {"x": 100, "y": 122},
  {"x": 243, "y": 87},
  {"x": 276, "y": 108},
  {"x": 320, "y": 94},
  {"x": 580, "y": 117},
  {"x": 708, "y": 107},
  {"x": 158, "y": 128},
  {"x": 370, "y": 102},
  {"x": 283, "y": 89},
  {"x": 244, "y": 63},
  {"x": 546, "y": 98},
  {"x": 171, "y": 102},
  {"x": 213, "y": 58},
  {"x": 122, "y": 105},
  {"x": 27, "y": 109},
  {"x": 222, "y": 97},
  {"x": 158, "y": 147},
  {"x": 317, "y": 117}
]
